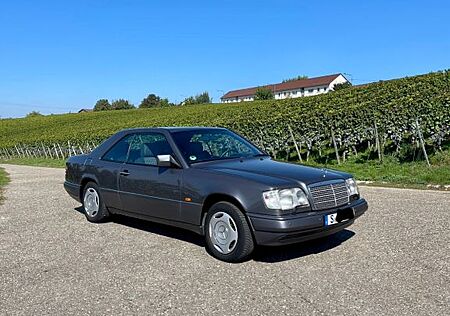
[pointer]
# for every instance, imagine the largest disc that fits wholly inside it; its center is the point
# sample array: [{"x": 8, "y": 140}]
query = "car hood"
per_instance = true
[{"x": 266, "y": 167}]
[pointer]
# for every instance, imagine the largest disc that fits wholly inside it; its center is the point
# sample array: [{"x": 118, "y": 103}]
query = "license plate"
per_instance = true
[{"x": 331, "y": 219}]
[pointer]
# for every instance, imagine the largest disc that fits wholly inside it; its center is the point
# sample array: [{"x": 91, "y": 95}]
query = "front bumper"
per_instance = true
[{"x": 272, "y": 231}]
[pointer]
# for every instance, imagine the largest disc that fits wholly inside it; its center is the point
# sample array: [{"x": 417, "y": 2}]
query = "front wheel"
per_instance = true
[
  {"x": 228, "y": 235},
  {"x": 94, "y": 208}
]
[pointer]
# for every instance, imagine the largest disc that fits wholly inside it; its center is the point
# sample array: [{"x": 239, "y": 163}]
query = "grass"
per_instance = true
[
  {"x": 411, "y": 175},
  {"x": 390, "y": 172},
  {"x": 37, "y": 162},
  {"x": 3, "y": 181}
]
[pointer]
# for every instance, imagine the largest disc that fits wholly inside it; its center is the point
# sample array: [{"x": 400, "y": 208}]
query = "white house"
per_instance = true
[{"x": 290, "y": 89}]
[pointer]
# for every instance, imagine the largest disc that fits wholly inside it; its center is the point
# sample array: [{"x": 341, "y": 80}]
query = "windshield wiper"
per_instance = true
[{"x": 261, "y": 155}]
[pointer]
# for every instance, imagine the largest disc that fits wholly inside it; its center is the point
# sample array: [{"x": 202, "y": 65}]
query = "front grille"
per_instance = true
[{"x": 329, "y": 195}]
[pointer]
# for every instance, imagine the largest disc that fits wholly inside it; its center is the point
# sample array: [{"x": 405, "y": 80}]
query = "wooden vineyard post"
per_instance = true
[
  {"x": 49, "y": 149},
  {"x": 5, "y": 151},
  {"x": 422, "y": 143},
  {"x": 18, "y": 153},
  {"x": 24, "y": 153},
  {"x": 45, "y": 151},
  {"x": 295, "y": 143},
  {"x": 56, "y": 151},
  {"x": 377, "y": 142},
  {"x": 309, "y": 149},
  {"x": 333, "y": 138},
  {"x": 60, "y": 150}
]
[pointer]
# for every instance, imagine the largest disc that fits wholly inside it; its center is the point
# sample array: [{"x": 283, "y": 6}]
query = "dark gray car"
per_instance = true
[{"x": 215, "y": 183}]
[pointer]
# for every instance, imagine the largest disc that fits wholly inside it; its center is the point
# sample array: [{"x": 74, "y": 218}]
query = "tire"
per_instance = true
[
  {"x": 93, "y": 206},
  {"x": 227, "y": 233}
]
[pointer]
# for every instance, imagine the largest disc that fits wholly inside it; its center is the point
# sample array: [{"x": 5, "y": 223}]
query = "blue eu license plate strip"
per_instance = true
[{"x": 331, "y": 219}]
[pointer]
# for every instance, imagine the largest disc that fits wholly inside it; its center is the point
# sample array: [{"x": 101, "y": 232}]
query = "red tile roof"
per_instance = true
[{"x": 290, "y": 85}]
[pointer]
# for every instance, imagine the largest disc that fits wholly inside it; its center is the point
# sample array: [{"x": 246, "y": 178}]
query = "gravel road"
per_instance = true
[{"x": 395, "y": 260}]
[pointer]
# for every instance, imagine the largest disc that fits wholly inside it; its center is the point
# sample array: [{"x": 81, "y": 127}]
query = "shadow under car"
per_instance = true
[{"x": 262, "y": 253}]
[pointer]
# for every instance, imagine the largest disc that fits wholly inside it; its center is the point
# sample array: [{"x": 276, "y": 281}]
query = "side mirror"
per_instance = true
[{"x": 167, "y": 161}]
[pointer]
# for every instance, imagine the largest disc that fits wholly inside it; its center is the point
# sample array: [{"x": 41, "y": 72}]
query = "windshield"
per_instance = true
[{"x": 213, "y": 144}]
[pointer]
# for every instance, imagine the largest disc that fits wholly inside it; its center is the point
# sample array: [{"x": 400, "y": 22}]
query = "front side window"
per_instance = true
[
  {"x": 118, "y": 152},
  {"x": 145, "y": 147},
  {"x": 212, "y": 144}
]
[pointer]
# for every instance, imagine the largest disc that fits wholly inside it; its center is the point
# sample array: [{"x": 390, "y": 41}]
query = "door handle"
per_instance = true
[{"x": 124, "y": 173}]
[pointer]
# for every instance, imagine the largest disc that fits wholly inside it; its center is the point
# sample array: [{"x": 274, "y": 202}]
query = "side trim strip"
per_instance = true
[{"x": 150, "y": 196}]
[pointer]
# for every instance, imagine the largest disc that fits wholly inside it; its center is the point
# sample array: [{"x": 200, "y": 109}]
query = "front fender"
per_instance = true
[{"x": 198, "y": 185}]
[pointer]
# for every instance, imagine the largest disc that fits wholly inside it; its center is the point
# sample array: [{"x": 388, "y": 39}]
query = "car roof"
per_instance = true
[{"x": 171, "y": 128}]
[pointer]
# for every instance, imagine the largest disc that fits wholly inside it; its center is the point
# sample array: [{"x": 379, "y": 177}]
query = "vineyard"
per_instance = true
[{"x": 387, "y": 117}]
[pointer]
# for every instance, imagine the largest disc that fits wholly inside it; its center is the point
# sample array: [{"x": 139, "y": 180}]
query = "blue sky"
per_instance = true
[{"x": 60, "y": 56}]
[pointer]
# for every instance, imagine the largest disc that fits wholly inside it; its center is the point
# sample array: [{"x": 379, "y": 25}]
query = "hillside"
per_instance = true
[{"x": 354, "y": 117}]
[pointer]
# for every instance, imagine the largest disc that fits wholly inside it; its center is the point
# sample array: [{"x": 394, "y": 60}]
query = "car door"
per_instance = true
[
  {"x": 107, "y": 170},
  {"x": 145, "y": 188}
]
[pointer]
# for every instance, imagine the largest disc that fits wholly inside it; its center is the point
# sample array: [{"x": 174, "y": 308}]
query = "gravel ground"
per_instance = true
[{"x": 395, "y": 260}]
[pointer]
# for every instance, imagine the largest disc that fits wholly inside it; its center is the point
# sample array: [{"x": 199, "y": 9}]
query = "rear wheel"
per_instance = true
[
  {"x": 94, "y": 208},
  {"x": 228, "y": 235}
]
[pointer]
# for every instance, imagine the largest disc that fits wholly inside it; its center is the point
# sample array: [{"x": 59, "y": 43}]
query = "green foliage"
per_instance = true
[
  {"x": 102, "y": 105},
  {"x": 189, "y": 101},
  {"x": 37, "y": 162},
  {"x": 33, "y": 114},
  {"x": 393, "y": 172},
  {"x": 201, "y": 98},
  {"x": 4, "y": 179},
  {"x": 121, "y": 104},
  {"x": 152, "y": 100},
  {"x": 351, "y": 113},
  {"x": 165, "y": 102},
  {"x": 341, "y": 86},
  {"x": 295, "y": 78},
  {"x": 263, "y": 94}
]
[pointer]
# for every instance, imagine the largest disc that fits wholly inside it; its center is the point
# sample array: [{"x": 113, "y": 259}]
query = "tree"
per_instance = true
[
  {"x": 102, "y": 105},
  {"x": 152, "y": 100},
  {"x": 340, "y": 86},
  {"x": 121, "y": 104},
  {"x": 263, "y": 94},
  {"x": 203, "y": 98},
  {"x": 34, "y": 114},
  {"x": 165, "y": 102},
  {"x": 188, "y": 101},
  {"x": 198, "y": 99},
  {"x": 296, "y": 78}
]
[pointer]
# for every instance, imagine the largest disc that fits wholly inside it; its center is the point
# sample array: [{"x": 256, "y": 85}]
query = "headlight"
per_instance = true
[
  {"x": 285, "y": 199},
  {"x": 352, "y": 187}
]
